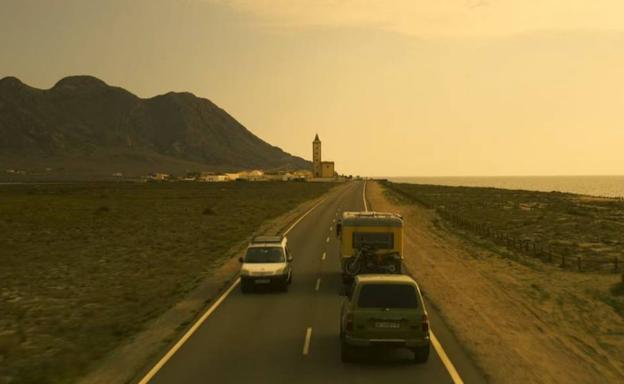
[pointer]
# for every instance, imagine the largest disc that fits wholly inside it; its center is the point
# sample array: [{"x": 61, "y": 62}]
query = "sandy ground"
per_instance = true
[
  {"x": 131, "y": 361},
  {"x": 522, "y": 321}
]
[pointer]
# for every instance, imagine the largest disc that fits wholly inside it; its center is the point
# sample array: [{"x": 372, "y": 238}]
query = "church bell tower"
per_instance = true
[{"x": 316, "y": 157}]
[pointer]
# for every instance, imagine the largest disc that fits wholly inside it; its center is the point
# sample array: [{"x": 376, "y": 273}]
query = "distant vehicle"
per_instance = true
[
  {"x": 384, "y": 311},
  {"x": 266, "y": 262},
  {"x": 370, "y": 242}
]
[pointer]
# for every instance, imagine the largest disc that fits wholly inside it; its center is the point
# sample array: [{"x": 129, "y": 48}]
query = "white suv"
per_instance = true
[{"x": 266, "y": 262}]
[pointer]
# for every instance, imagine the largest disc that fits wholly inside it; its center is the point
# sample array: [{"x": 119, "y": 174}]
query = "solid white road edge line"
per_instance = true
[
  {"x": 445, "y": 359},
  {"x": 306, "y": 343},
  {"x": 318, "y": 284},
  {"x": 187, "y": 335},
  {"x": 434, "y": 340},
  {"x": 152, "y": 372}
]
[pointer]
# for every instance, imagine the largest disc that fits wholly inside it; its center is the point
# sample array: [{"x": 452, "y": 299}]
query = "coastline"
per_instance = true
[{"x": 590, "y": 185}]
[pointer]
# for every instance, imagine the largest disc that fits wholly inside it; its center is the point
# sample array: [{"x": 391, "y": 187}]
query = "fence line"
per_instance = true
[{"x": 546, "y": 252}]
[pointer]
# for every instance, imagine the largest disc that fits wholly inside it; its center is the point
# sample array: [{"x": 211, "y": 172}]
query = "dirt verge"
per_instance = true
[{"x": 522, "y": 321}]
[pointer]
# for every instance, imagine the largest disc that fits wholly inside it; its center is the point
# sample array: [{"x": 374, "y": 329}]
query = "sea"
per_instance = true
[{"x": 605, "y": 186}]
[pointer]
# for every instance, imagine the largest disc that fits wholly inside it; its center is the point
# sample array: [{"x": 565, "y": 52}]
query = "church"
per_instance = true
[{"x": 321, "y": 169}]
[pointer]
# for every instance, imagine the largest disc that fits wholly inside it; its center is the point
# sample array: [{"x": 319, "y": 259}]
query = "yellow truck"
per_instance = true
[{"x": 370, "y": 242}]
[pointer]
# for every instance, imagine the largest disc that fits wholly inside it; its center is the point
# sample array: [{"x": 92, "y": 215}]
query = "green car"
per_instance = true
[{"x": 385, "y": 311}]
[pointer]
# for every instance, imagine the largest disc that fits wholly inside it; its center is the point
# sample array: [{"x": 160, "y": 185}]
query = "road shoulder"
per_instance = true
[{"x": 518, "y": 321}]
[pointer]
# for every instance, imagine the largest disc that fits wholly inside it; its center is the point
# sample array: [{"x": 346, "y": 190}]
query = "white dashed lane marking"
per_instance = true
[{"x": 306, "y": 342}]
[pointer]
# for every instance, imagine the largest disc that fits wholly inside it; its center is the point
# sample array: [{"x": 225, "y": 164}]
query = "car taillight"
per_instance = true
[
  {"x": 425, "y": 323},
  {"x": 349, "y": 322}
]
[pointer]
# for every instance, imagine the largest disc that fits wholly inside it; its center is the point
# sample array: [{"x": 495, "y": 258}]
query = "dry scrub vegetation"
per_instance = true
[
  {"x": 522, "y": 320},
  {"x": 550, "y": 226},
  {"x": 84, "y": 266}
]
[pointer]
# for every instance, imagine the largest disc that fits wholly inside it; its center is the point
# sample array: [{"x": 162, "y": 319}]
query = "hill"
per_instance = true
[{"x": 82, "y": 127}]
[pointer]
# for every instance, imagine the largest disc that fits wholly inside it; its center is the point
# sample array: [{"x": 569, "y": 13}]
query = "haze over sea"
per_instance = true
[{"x": 612, "y": 186}]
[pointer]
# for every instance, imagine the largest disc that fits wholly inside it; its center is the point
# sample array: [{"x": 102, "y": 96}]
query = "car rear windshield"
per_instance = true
[
  {"x": 264, "y": 255},
  {"x": 388, "y": 296}
]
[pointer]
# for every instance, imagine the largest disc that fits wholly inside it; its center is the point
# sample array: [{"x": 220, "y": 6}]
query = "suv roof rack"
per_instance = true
[{"x": 267, "y": 239}]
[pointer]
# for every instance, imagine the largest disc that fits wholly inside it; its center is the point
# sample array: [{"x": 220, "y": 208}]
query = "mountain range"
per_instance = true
[{"x": 85, "y": 127}]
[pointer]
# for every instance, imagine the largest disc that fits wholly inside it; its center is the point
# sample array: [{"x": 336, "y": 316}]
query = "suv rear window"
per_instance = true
[
  {"x": 388, "y": 296},
  {"x": 264, "y": 255}
]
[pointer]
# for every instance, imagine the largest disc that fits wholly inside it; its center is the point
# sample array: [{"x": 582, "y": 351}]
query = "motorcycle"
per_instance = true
[{"x": 369, "y": 260}]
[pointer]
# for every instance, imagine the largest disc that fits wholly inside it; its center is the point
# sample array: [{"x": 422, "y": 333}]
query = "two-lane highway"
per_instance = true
[{"x": 281, "y": 337}]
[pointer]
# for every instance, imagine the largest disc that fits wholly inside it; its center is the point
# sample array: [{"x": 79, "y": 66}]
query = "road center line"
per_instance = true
[
  {"x": 327, "y": 240},
  {"x": 330, "y": 228},
  {"x": 152, "y": 372},
  {"x": 445, "y": 359},
  {"x": 306, "y": 343},
  {"x": 318, "y": 284},
  {"x": 324, "y": 255}
]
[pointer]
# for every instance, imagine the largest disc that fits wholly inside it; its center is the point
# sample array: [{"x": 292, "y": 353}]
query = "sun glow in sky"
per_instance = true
[{"x": 456, "y": 87}]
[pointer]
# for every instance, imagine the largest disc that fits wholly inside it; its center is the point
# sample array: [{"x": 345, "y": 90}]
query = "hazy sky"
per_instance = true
[{"x": 404, "y": 87}]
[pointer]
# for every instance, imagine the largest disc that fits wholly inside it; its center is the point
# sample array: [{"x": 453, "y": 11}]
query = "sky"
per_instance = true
[{"x": 393, "y": 88}]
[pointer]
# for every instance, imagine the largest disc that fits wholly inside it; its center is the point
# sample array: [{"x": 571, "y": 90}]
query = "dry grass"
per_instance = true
[
  {"x": 522, "y": 320},
  {"x": 85, "y": 265},
  {"x": 558, "y": 224}
]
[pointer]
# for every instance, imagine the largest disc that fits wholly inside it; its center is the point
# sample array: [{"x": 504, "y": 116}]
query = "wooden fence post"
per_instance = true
[{"x": 578, "y": 261}]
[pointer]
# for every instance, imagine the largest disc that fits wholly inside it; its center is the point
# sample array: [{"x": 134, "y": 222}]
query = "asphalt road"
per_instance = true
[{"x": 261, "y": 337}]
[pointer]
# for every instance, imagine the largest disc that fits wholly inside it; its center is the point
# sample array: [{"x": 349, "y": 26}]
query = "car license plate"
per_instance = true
[
  {"x": 387, "y": 324},
  {"x": 262, "y": 281}
]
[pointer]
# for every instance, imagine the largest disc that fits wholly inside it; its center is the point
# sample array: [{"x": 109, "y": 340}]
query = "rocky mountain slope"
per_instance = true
[{"x": 83, "y": 126}]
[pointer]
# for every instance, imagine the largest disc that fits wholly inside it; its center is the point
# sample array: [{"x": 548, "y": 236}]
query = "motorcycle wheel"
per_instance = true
[{"x": 353, "y": 266}]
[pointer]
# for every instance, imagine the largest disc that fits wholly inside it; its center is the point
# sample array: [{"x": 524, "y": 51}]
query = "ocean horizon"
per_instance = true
[{"x": 606, "y": 186}]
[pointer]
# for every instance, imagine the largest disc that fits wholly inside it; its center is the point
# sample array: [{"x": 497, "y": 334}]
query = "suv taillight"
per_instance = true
[
  {"x": 349, "y": 322},
  {"x": 425, "y": 323}
]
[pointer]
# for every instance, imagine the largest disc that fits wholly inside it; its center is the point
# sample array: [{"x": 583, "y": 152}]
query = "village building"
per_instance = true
[
  {"x": 232, "y": 176},
  {"x": 213, "y": 177},
  {"x": 274, "y": 176},
  {"x": 159, "y": 176},
  {"x": 300, "y": 175},
  {"x": 255, "y": 175},
  {"x": 321, "y": 169}
]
